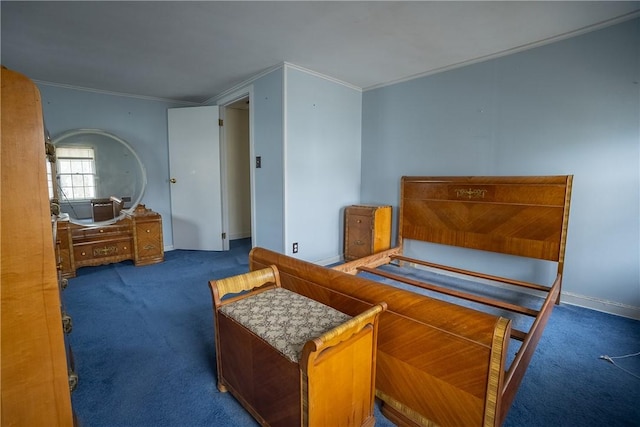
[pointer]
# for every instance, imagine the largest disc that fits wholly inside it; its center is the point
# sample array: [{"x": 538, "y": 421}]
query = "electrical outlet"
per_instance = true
[
  {"x": 258, "y": 161},
  {"x": 295, "y": 248}
]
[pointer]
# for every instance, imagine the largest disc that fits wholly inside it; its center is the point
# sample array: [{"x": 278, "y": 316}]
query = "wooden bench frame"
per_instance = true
[{"x": 332, "y": 384}]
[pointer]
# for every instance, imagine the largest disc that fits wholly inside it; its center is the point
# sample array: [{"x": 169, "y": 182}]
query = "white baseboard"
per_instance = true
[
  {"x": 605, "y": 306},
  {"x": 240, "y": 235},
  {"x": 329, "y": 261},
  {"x": 611, "y": 307}
]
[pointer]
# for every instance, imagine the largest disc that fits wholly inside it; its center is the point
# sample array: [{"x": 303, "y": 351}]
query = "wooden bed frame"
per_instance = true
[{"x": 439, "y": 363}]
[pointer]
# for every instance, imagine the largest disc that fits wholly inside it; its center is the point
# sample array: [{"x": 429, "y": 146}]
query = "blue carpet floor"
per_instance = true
[{"x": 144, "y": 351}]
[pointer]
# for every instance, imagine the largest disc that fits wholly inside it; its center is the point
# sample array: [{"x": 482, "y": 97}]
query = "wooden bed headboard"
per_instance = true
[{"x": 516, "y": 215}]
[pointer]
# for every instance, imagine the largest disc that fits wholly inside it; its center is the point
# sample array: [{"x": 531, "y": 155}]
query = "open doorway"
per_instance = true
[{"x": 237, "y": 153}]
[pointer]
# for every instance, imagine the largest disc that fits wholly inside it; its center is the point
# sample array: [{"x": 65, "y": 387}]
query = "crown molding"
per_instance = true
[
  {"x": 121, "y": 94},
  {"x": 283, "y": 65},
  {"x": 215, "y": 99},
  {"x": 322, "y": 76},
  {"x": 517, "y": 49}
]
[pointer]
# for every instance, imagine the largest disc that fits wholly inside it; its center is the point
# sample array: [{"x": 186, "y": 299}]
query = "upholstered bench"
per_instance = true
[{"x": 290, "y": 360}]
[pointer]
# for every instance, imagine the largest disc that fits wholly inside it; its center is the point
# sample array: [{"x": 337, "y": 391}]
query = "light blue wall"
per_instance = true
[
  {"x": 269, "y": 179},
  {"x": 140, "y": 122},
  {"x": 322, "y": 162},
  {"x": 571, "y": 107}
]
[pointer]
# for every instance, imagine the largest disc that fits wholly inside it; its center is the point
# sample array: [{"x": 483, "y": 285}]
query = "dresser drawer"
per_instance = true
[
  {"x": 105, "y": 251},
  {"x": 106, "y": 232}
]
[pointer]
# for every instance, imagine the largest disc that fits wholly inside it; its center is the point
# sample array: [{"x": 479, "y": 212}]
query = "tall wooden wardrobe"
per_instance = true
[{"x": 35, "y": 379}]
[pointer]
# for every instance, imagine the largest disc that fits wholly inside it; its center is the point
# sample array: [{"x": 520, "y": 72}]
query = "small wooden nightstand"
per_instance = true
[{"x": 367, "y": 230}]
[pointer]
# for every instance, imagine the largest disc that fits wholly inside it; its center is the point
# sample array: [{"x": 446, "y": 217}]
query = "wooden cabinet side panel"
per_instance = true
[
  {"x": 35, "y": 387},
  {"x": 341, "y": 382},
  {"x": 382, "y": 229},
  {"x": 64, "y": 248}
]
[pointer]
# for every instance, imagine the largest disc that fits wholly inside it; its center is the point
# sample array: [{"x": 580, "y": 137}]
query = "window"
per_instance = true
[
  {"x": 49, "y": 180},
  {"x": 77, "y": 172}
]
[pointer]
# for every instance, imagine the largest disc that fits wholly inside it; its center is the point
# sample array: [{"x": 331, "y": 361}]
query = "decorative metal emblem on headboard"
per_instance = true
[{"x": 471, "y": 193}]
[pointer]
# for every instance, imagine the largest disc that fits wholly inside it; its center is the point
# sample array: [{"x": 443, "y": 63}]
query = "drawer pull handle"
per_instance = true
[
  {"x": 359, "y": 242},
  {"x": 73, "y": 381},
  {"x": 358, "y": 221},
  {"x": 101, "y": 230},
  {"x": 148, "y": 231},
  {"x": 67, "y": 323}
]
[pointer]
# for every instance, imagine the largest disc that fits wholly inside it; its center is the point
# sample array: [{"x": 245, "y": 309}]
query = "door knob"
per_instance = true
[{"x": 173, "y": 180}]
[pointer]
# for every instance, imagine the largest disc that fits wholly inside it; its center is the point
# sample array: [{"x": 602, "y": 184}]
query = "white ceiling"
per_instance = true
[{"x": 193, "y": 51}]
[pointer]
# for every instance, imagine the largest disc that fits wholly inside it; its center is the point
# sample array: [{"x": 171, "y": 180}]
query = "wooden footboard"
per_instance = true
[{"x": 437, "y": 363}]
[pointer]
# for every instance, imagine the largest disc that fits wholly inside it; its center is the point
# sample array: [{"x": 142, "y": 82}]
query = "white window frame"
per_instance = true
[{"x": 76, "y": 170}]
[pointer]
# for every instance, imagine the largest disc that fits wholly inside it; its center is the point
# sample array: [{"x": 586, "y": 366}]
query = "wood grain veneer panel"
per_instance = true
[
  {"x": 434, "y": 357},
  {"x": 523, "y": 216},
  {"x": 438, "y": 401},
  {"x": 340, "y": 381},
  {"x": 264, "y": 381},
  {"x": 35, "y": 384}
]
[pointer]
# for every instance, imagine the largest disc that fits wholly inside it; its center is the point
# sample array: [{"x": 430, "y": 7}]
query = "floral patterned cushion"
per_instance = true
[{"x": 284, "y": 319}]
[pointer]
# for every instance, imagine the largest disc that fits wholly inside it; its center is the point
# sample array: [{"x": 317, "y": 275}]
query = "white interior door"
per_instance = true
[{"x": 194, "y": 165}]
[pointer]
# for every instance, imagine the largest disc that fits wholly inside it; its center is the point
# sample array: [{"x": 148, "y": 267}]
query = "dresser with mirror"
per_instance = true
[{"x": 100, "y": 181}]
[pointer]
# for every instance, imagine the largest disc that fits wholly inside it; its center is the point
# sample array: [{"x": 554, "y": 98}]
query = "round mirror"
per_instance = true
[{"x": 99, "y": 176}]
